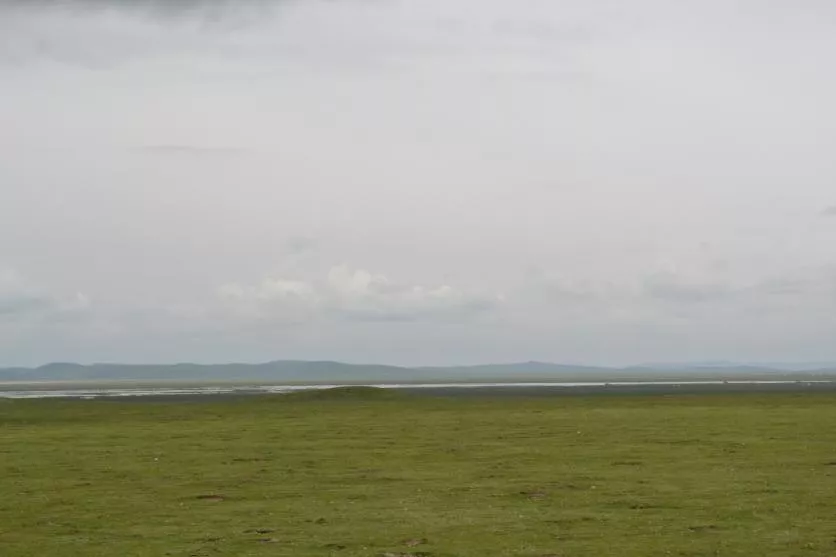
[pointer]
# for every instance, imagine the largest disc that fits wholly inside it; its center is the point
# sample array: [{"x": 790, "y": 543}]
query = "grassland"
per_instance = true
[{"x": 360, "y": 473}]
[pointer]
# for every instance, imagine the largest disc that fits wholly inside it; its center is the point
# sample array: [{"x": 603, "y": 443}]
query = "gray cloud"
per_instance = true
[
  {"x": 355, "y": 295},
  {"x": 829, "y": 212},
  {"x": 668, "y": 287},
  {"x": 201, "y": 10},
  {"x": 189, "y": 150},
  {"x": 20, "y": 300},
  {"x": 298, "y": 245},
  {"x": 18, "y": 304},
  {"x": 669, "y": 291}
]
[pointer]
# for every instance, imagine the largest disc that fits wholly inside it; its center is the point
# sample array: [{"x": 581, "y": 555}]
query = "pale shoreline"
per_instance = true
[{"x": 98, "y": 390}]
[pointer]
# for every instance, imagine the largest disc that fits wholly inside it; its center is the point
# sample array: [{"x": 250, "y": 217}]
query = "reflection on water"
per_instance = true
[{"x": 277, "y": 389}]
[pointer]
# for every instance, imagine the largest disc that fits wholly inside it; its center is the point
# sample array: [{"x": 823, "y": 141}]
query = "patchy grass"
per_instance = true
[
  {"x": 360, "y": 473},
  {"x": 356, "y": 393}
]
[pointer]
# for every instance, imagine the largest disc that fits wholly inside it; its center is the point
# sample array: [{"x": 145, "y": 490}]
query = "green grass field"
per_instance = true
[{"x": 371, "y": 474}]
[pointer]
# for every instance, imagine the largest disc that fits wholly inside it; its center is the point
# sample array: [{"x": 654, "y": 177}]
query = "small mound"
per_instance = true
[{"x": 346, "y": 393}]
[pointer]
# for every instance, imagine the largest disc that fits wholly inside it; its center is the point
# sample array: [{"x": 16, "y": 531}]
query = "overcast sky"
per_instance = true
[{"x": 417, "y": 181}]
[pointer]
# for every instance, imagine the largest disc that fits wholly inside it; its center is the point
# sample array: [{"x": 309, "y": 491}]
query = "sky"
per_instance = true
[{"x": 417, "y": 182}]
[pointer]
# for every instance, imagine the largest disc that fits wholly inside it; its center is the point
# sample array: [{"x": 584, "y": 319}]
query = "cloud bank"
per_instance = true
[
  {"x": 355, "y": 295},
  {"x": 22, "y": 301}
]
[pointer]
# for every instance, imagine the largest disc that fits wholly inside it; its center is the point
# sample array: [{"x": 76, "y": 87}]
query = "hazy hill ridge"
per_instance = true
[{"x": 296, "y": 371}]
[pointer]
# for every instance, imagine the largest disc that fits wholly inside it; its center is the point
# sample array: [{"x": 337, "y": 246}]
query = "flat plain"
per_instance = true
[{"x": 362, "y": 472}]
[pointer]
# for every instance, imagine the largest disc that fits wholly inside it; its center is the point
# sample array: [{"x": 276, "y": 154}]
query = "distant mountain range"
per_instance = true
[
  {"x": 781, "y": 366},
  {"x": 294, "y": 371}
]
